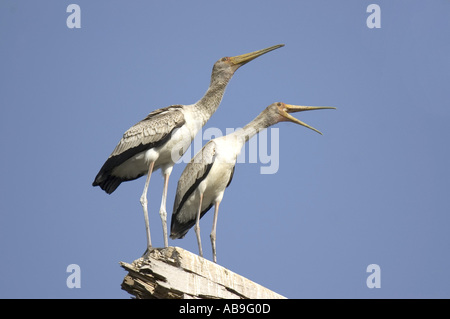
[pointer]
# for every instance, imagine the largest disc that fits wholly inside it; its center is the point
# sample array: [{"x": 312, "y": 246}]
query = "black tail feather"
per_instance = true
[
  {"x": 108, "y": 184},
  {"x": 179, "y": 230}
]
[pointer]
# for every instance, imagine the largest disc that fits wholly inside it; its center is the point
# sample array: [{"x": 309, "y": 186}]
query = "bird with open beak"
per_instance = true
[{"x": 204, "y": 180}]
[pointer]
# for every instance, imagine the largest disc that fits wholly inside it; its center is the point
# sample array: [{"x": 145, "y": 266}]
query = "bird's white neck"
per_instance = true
[{"x": 260, "y": 123}]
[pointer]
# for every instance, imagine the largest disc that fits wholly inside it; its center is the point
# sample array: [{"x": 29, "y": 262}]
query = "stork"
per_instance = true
[
  {"x": 205, "y": 178},
  {"x": 160, "y": 139}
]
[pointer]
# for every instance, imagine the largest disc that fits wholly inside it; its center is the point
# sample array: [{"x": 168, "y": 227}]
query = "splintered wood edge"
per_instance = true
[{"x": 173, "y": 272}]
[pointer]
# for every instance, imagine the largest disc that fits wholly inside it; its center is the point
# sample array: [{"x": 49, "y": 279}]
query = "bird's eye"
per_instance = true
[
  {"x": 278, "y": 104},
  {"x": 224, "y": 59}
]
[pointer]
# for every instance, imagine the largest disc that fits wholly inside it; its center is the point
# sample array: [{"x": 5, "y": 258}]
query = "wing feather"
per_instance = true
[
  {"x": 194, "y": 173},
  {"x": 151, "y": 132},
  {"x": 154, "y": 128}
]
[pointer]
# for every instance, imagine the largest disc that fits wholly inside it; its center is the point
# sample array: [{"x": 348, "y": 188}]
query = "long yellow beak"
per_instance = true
[
  {"x": 240, "y": 60},
  {"x": 297, "y": 108}
]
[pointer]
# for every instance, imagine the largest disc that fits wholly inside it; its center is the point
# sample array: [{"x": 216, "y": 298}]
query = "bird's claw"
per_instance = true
[{"x": 147, "y": 252}]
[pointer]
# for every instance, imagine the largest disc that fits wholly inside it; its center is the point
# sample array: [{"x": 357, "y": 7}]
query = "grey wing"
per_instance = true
[
  {"x": 194, "y": 173},
  {"x": 152, "y": 130}
]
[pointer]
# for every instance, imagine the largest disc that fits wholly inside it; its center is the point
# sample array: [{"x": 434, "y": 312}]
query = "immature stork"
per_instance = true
[
  {"x": 203, "y": 181},
  {"x": 159, "y": 140}
]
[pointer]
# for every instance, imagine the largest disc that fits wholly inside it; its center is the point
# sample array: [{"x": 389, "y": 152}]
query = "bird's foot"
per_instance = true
[{"x": 147, "y": 252}]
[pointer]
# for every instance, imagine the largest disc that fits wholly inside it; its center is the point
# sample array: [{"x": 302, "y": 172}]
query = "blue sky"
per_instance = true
[{"x": 372, "y": 190}]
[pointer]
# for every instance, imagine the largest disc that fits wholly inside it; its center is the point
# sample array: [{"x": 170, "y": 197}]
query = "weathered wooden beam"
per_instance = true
[{"x": 177, "y": 273}]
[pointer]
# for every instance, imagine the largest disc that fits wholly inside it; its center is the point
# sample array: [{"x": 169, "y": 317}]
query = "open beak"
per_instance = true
[
  {"x": 296, "y": 108},
  {"x": 240, "y": 60}
]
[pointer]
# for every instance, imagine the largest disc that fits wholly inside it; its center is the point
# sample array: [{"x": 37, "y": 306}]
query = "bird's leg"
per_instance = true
[
  {"x": 162, "y": 210},
  {"x": 145, "y": 208},
  {"x": 197, "y": 227},
  {"x": 213, "y": 232}
]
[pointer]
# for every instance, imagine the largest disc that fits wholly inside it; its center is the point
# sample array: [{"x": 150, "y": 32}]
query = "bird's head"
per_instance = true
[
  {"x": 280, "y": 112},
  {"x": 226, "y": 66}
]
